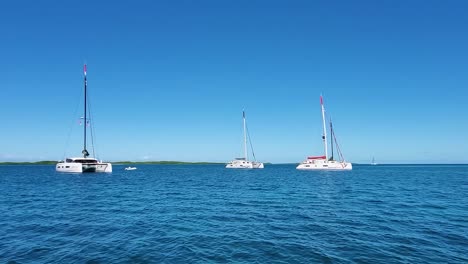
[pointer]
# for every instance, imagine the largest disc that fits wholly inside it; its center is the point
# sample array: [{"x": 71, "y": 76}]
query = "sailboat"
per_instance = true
[
  {"x": 373, "y": 161},
  {"x": 325, "y": 162},
  {"x": 244, "y": 163},
  {"x": 83, "y": 164}
]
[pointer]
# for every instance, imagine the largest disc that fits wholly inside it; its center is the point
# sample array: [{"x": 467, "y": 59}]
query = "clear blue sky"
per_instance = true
[{"x": 168, "y": 79}]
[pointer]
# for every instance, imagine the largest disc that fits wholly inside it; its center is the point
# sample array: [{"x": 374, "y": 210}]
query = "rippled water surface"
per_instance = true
[{"x": 208, "y": 214}]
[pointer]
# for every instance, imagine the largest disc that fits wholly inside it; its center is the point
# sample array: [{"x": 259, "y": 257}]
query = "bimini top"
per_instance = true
[{"x": 316, "y": 157}]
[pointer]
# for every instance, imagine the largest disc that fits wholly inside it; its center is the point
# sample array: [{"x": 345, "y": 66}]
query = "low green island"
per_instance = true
[{"x": 163, "y": 162}]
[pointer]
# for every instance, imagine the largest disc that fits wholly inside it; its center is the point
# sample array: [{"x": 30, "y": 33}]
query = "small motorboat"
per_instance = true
[{"x": 130, "y": 168}]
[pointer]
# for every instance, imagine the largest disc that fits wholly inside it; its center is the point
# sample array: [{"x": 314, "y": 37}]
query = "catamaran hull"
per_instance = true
[
  {"x": 259, "y": 166},
  {"x": 246, "y": 165},
  {"x": 325, "y": 166},
  {"x": 83, "y": 168},
  {"x": 104, "y": 167},
  {"x": 69, "y": 167}
]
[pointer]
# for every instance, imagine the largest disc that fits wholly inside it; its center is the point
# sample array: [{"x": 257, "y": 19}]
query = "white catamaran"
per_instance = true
[
  {"x": 83, "y": 164},
  {"x": 324, "y": 162},
  {"x": 244, "y": 163}
]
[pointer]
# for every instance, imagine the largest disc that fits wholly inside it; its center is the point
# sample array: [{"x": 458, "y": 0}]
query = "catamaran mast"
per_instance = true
[
  {"x": 324, "y": 137},
  {"x": 85, "y": 152},
  {"x": 331, "y": 139},
  {"x": 245, "y": 136}
]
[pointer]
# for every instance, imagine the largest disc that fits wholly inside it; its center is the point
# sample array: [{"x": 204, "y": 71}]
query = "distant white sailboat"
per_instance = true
[
  {"x": 373, "y": 161},
  {"x": 324, "y": 162},
  {"x": 83, "y": 164},
  {"x": 244, "y": 163}
]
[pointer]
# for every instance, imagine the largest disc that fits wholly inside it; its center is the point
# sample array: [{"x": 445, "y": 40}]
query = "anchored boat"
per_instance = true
[
  {"x": 324, "y": 162},
  {"x": 244, "y": 163},
  {"x": 84, "y": 164}
]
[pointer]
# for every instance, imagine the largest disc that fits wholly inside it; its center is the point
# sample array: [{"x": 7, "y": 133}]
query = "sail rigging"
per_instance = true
[
  {"x": 250, "y": 142},
  {"x": 331, "y": 139}
]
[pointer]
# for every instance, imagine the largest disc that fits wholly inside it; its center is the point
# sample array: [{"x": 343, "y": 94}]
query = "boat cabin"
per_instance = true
[{"x": 81, "y": 160}]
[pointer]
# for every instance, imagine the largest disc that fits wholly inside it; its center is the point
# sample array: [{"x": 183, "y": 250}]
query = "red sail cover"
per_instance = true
[{"x": 317, "y": 157}]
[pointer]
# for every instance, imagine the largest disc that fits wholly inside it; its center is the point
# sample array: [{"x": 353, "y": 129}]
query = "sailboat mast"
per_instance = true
[
  {"x": 331, "y": 139},
  {"x": 85, "y": 152},
  {"x": 245, "y": 136},
  {"x": 324, "y": 137}
]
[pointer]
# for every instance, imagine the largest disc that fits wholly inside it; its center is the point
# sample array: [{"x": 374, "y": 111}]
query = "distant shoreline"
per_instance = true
[
  {"x": 49, "y": 162},
  {"x": 170, "y": 162}
]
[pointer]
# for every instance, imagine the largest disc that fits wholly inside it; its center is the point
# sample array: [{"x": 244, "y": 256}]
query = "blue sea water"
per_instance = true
[{"x": 208, "y": 214}]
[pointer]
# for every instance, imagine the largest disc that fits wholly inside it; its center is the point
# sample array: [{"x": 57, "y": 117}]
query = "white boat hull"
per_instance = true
[
  {"x": 79, "y": 167},
  {"x": 324, "y": 165},
  {"x": 104, "y": 167},
  {"x": 242, "y": 164}
]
